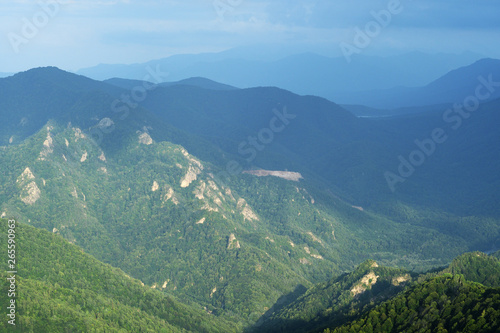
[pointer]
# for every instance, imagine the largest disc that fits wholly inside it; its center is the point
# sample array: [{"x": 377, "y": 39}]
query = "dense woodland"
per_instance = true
[
  {"x": 143, "y": 229},
  {"x": 447, "y": 303},
  {"x": 395, "y": 300},
  {"x": 60, "y": 289},
  {"x": 298, "y": 236}
]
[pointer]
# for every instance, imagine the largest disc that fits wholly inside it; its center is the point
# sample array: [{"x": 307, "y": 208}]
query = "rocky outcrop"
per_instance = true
[
  {"x": 246, "y": 210},
  {"x": 145, "y": 138},
  {"x": 365, "y": 283},
  {"x": 233, "y": 243}
]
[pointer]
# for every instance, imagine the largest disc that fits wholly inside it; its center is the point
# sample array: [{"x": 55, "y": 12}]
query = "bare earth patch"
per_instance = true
[{"x": 294, "y": 176}]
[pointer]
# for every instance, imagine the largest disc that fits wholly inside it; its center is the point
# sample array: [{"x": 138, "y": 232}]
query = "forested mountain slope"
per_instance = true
[
  {"x": 443, "y": 304},
  {"x": 61, "y": 289},
  {"x": 149, "y": 188},
  {"x": 160, "y": 214},
  {"x": 463, "y": 297}
]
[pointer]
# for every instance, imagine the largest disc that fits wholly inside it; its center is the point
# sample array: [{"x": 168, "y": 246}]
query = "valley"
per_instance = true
[
  {"x": 231, "y": 166},
  {"x": 186, "y": 199}
]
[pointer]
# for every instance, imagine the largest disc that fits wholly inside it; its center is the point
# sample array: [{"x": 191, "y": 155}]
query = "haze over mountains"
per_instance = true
[
  {"x": 180, "y": 185},
  {"x": 304, "y": 73},
  {"x": 229, "y": 166}
]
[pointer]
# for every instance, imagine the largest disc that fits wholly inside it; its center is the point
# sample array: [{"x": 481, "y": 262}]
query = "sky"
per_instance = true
[{"x": 74, "y": 34}]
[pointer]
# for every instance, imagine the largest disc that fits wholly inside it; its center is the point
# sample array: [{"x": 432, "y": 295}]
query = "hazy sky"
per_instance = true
[{"x": 73, "y": 34}]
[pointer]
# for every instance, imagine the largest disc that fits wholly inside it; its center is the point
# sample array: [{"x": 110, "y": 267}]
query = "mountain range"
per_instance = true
[
  {"x": 240, "y": 207},
  {"x": 301, "y": 73}
]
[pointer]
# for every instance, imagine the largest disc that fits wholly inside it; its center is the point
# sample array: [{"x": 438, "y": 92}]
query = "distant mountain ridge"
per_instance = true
[
  {"x": 452, "y": 87},
  {"x": 301, "y": 73},
  {"x": 199, "y": 82}
]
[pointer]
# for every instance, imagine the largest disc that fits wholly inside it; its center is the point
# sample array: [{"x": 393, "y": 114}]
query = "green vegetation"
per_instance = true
[
  {"x": 390, "y": 300},
  {"x": 477, "y": 267},
  {"x": 128, "y": 208},
  {"x": 244, "y": 248},
  {"x": 446, "y": 303},
  {"x": 335, "y": 302},
  {"x": 62, "y": 289}
]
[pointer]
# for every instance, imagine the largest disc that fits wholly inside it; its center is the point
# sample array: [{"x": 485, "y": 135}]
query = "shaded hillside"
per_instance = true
[
  {"x": 335, "y": 302},
  {"x": 447, "y": 303},
  {"x": 463, "y": 167},
  {"x": 462, "y": 297},
  {"x": 29, "y": 99}
]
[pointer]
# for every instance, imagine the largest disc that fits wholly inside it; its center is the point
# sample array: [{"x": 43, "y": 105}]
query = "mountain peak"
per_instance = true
[
  {"x": 51, "y": 73},
  {"x": 201, "y": 82},
  {"x": 486, "y": 62},
  {"x": 469, "y": 74},
  {"x": 42, "y": 70}
]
